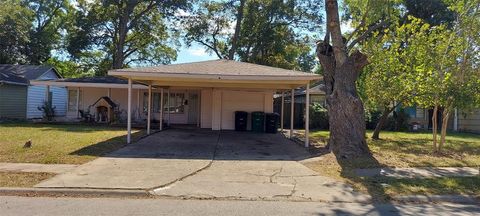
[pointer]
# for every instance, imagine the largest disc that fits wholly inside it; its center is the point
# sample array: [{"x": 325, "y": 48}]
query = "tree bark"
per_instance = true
[
  {"x": 118, "y": 57},
  {"x": 231, "y": 53},
  {"x": 435, "y": 127},
  {"x": 345, "y": 109},
  {"x": 381, "y": 122},
  {"x": 443, "y": 133}
]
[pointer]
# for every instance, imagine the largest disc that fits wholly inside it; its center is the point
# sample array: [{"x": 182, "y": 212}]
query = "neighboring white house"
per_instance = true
[{"x": 27, "y": 102}]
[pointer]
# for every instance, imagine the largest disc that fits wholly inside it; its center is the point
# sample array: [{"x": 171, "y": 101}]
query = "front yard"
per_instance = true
[
  {"x": 401, "y": 149},
  {"x": 59, "y": 144}
]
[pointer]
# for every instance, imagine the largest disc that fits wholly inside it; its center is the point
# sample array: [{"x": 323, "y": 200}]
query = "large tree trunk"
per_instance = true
[
  {"x": 380, "y": 123},
  {"x": 231, "y": 53},
  {"x": 345, "y": 109}
]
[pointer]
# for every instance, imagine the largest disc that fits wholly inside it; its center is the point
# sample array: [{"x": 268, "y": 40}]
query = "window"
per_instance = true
[
  {"x": 155, "y": 104},
  {"x": 177, "y": 102},
  {"x": 72, "y": 100}
]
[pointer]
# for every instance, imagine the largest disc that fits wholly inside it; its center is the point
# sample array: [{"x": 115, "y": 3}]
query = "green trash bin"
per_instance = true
[{"x": 258, "y": 122}]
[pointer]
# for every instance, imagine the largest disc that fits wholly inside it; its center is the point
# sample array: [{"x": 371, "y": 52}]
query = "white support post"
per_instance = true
[
  {"x": 129, "y": 112},
  {"x": 168, "y": 104},
  {"x": 199, "y": 104},
  {"x": 282, "y": 111},
  {"x": 292, "y": 107},
  {"x": 137, "y": 112},
  {"x": 149, "y": 108},
  {"x": 307, "y": 116},
  {"x": 161, "y": 109},
  {"x": 109, "y": 95},
  {"x": 78, "y": 102}
]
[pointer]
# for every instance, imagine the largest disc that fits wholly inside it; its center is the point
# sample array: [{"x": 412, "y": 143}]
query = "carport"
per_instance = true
[{"x": 221, "y": 87}]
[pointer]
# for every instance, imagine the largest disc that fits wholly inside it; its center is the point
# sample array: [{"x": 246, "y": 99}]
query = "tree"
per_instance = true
[
  {"x": 268, "y": 32},
  {"x": 390, "y": 79},
  {"x": 125, "y": 31},
  {"x": 15, "y": 22},
  {"x": 342, "y": 65},
  {"x": 48, "y": 23},
  {"x": 452, "y": 80}
]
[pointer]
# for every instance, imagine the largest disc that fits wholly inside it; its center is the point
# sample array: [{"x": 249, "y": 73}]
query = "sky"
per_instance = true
[{"x": 194, "y": 53}]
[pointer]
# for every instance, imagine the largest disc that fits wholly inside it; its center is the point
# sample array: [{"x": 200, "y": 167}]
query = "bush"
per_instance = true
[
  {"x": 398, "y": 121},
  {"x": 371, "y": 118},
  {"x": 48, "y": 111},
  {"x": 318, "y": 117}
]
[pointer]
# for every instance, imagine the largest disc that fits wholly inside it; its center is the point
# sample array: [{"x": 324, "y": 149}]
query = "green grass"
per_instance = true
[
  {"x": 22, "y": 179},
  {"x": 445, "y": 185},
  {"x": 58, "y": 144},
  {"x": 402, "y": 149}
]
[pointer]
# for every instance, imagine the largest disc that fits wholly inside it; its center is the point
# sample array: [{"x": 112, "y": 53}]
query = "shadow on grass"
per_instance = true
[{"x": 107, "y": 146}]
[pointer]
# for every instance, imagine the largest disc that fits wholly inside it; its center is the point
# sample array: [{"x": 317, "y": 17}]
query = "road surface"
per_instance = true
[{"x": 11, "y": 205}]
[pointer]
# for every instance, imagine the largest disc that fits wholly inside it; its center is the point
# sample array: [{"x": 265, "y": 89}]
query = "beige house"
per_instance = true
[{"x": 205, "y": 94}]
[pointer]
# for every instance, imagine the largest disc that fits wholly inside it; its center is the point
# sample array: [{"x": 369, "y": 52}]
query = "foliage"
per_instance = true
[
  {"x": 398, "y": 121},
  {"x": 15, "y": 22},
  {"x": 48, "y": 24},
  {"x": 272, "y": 32},
  {"x": 116, "y": 34},
  {"x": 31, "y": 29},
  {"x": 371, "y": 117},
  {"x": 318, "y": 117},
  {"x": 48, "y": 111}
]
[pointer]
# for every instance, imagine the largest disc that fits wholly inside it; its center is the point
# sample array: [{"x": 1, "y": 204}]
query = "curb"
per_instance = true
[
  {"x": 73, "y": 192},
  {"x": 461, "y": 199}
]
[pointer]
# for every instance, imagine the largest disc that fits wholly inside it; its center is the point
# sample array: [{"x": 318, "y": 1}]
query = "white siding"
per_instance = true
[
  {"x": 36, "y": 97},
  {"x": 226, "y": 102},
  {"x": 206, "y": 108}
]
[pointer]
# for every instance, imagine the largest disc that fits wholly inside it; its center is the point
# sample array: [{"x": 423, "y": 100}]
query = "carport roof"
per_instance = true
[{"x": 217, "y": 73}]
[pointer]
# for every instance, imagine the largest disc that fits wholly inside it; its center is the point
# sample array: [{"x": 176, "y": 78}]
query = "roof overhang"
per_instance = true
[
  {"x": 86, "y": 85},
  {"x": 215, "y": 81},
  {"x": 13, "y": 83}
]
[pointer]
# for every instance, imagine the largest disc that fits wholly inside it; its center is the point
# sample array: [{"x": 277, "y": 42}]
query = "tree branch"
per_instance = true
[{"x": 366, "y": 33}]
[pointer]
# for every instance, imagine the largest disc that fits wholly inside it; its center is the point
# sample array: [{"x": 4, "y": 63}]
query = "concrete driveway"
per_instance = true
[{"x": 210, "y": 164}]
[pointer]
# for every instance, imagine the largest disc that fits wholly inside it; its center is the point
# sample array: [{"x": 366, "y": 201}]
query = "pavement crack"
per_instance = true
[
  {"x": 275, "y": 173},
  {"x": 193, "y": 173}
]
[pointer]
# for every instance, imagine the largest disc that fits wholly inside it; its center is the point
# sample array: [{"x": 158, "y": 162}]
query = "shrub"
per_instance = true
[
  {"x": 371, "y": 118},
  {"x": 318, "y": 117},
  {"x": 48, "y": 111},
  {"x": 398, "y": 121}
]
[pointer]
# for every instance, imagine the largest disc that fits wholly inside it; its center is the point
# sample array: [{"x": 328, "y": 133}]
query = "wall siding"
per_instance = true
[
  {"x": 13, "y": 99},
  {"x": 36, "y": 97},
  {"x": 469, "y": 122}
]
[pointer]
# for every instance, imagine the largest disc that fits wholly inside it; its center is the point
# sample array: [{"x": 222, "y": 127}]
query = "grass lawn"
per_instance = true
[
  {"x": 401, "y": 149},
  {"x": 59, "y": 144},
  {"x": 22, "y": 179}
]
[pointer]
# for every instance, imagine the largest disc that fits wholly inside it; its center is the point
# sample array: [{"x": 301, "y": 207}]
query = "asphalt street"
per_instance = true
[{"x": 11, "y": 205}]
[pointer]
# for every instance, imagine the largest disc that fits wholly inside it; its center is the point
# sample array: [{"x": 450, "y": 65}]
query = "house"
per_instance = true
[
  {"x": 317, "y": 96},
  {"x": 459, "y": 120},
  {"x": 204, "y": 94},
  {"x": 19, "y": 98}
]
